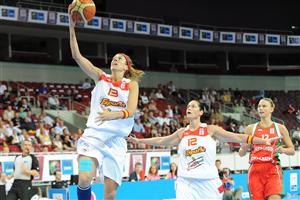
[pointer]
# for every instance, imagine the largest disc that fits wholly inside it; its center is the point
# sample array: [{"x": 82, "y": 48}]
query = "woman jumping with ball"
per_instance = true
[{"x": 113, "y": 103}]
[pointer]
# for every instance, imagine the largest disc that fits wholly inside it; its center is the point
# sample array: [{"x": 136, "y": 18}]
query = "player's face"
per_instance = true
[
  {"x": 193, "y": 110},
  {"x": 119, "y": 63},
  {"x": 264, "y": 108}
]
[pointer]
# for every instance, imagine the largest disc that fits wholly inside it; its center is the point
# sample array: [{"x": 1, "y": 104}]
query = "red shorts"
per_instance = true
[{"x": 264, "y": 180}]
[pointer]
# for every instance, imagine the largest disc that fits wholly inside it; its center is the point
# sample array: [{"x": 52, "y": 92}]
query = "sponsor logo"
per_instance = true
[
  {"x": 196, "y": 162},
  {"x": 107, "y": 102},
  {"x": 264, "y": 158},
  {"x": 266, "y": 148},
  {"x": 272, "y": 131},
  {"x": 191, "y": 152}
]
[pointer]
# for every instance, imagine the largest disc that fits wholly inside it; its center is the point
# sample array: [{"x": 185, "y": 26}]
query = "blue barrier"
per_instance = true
[
  {"x": 165, "y": 189},
  {"x": 157, "y": 190}
]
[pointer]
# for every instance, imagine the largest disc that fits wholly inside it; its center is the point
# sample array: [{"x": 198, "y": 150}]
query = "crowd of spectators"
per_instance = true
[
  {"x": 160, "y": 112},
  {"x": 18, "y": 123}
]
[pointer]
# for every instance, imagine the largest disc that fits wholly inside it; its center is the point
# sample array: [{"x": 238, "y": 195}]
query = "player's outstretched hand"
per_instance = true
[
  {"x": 133, "y": 140},
  {"x": 71, "y": 6},
  {"x": 271, "y": 140},
  {"x": 105, "y": 116},
  {"x": 280, "y": 149}
]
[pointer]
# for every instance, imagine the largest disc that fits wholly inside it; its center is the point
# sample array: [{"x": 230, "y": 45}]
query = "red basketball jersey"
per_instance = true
[{"x": 261, "y": 153}]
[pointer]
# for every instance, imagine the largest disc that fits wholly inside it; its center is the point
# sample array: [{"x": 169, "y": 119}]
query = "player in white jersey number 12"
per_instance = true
[
  {"x": 113, "y": 103},
  {"x": 197, "y": 174}
]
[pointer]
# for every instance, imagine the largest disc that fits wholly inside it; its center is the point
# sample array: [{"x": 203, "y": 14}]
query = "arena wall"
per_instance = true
[{"x": 67, "y": 74}]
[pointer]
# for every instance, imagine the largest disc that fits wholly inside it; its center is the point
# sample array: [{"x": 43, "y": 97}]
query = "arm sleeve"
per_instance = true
[{"x": 15, "y": 163}]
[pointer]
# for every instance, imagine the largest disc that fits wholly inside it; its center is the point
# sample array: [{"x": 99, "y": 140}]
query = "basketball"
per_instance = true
[{"x": 82, "y": 10}]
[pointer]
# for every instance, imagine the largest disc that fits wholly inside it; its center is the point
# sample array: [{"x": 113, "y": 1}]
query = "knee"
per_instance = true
[{"x": 84, "y": 180}]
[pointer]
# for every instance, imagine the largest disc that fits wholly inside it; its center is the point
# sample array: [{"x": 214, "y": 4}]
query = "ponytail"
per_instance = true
[{"x": 134, "y": 74}]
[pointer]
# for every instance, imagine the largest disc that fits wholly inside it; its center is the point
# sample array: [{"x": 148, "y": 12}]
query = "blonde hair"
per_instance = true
[
  {"x": 132, "y": 73},
  {"x": 270, "y": 101}
]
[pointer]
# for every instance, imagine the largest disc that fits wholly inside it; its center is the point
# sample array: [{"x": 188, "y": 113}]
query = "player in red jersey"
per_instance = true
[{"x": 265, "y": 175}]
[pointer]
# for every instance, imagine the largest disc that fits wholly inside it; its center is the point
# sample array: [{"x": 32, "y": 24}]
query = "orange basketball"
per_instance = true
[{"x": 82, "y": 10}]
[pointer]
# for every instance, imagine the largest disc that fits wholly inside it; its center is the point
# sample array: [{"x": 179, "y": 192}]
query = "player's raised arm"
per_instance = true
[
  {"x": 84, "y": 63},
  {"x": 227, "y": 136}
]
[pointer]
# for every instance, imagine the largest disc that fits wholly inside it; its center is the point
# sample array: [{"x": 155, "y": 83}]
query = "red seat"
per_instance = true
[{"x": 14, "y": 148}]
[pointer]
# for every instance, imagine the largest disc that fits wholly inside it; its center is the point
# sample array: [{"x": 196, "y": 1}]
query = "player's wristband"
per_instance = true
[
  {"x": 125, "y": 113},
  {"x": 249, "y": 139}
]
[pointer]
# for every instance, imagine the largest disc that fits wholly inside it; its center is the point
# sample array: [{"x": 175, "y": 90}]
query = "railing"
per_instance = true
[
  {"x": 193, "y": 95},
  {"x": 19, "y": 86},
  {"x": 42, "y": 5},
  {"x": 236, "y": 29},
  {"x": 26, "y": 94},
  {"x": 29, "y": 98},
  {"x": 82, "y": 109},
  {"x": 246, "y": 117},
  {"x": 275, "y": 119},
  {"x": 41, "y": 99},
  {"x": 69, "y": 99}
]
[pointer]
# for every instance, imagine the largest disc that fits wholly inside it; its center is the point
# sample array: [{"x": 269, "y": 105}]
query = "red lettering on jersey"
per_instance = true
[
  {"x": 113, "y": 92},
  {"x": 192, "y": 141}
]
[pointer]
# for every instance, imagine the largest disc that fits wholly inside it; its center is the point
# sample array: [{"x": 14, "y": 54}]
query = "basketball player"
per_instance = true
[
  {"x": 198, "y": 176},
  {"x": 265, "y": 175},
  {"x": 113, "y": 103}
]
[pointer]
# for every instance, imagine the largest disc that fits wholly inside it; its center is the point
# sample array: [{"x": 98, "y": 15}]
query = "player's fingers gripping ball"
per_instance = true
[{"x": 82, "y": 10}]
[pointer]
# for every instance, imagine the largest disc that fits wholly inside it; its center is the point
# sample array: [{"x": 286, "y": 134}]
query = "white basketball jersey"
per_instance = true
[
  {"x": 197, "y": 154},
  {"x": 114, "y": 97}
]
